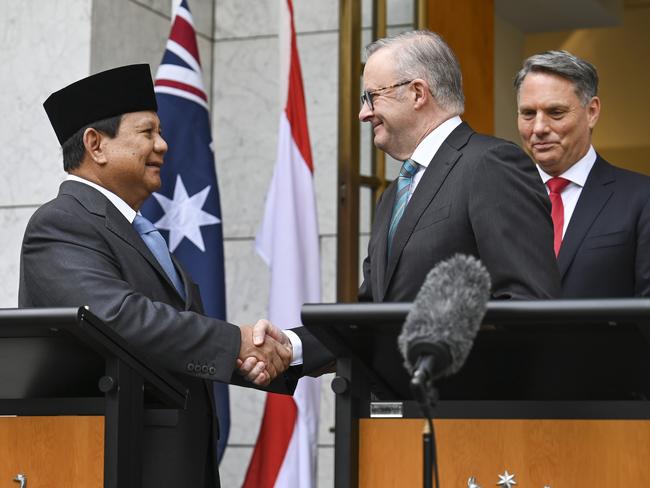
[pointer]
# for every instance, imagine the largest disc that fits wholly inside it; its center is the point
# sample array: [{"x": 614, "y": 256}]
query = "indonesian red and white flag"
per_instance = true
[{"x": 286, "y": 450}]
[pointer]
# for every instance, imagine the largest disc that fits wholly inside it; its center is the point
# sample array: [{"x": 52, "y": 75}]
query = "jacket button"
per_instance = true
[
  {"x": 204, "y": 369},
  {"x": 190, "y": 367},
  {"x": 212, "y": 370}
]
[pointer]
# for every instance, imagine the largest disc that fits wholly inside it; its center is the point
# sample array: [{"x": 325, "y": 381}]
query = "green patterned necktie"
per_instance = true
[{"x": 404, "y": 181}]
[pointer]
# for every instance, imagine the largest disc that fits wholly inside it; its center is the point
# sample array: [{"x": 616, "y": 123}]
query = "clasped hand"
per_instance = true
[{"x": 265, "y": 352}]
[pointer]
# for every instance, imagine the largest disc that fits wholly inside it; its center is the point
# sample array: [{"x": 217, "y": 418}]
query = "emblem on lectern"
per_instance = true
[
  {"x": 507, "y": 480},
  {"x": 471, "y": 482}
]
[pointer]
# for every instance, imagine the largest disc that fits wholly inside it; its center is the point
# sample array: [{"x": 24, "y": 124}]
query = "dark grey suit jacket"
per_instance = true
[
  {"x": 78, "y": 250},
  {"x": 480, "y": 196},
  {"x": 606, "y": 248}
]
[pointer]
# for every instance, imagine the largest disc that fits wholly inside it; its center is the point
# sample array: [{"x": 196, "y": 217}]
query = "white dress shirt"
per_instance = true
[
  {"x": 429, "y": 146},
  {"x": 577, "y": 175}
]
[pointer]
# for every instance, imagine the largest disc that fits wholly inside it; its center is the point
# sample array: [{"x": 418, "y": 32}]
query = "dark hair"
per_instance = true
[
  {"x": 581, "y": 73},
  {"x": 73, "y": 149}
]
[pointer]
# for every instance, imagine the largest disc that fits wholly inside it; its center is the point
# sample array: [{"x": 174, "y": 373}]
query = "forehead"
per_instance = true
[
  {"x": 379, "y": 69},
  {"x": 135, "y": 119},
  {"x": 545, "y": 89}
]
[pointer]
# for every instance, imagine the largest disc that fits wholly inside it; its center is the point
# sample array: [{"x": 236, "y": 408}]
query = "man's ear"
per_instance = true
[
  {"x": 593, "y": 112},
  {"x": 421, "y": 90},
  {"x": 92, "y": 140}
]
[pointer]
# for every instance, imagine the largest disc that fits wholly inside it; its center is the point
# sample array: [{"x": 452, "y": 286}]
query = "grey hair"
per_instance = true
[
  {"x": 581, "y": 73},
  {"x": 424, "y": 54}
]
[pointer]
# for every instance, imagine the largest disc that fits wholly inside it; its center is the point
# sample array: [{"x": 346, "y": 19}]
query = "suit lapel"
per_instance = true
[
  {"x": 384, "y": 211},
  {"x": 118, "y": 225},
  {"x": 188, "y": 284},
  {"x": 428, "y": 187},
  {"x": 98, "y": 204},
  {"x": 595, "y": 194}
]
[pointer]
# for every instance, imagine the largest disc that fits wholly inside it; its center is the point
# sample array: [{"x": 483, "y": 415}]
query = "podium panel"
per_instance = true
[
  {"x": 73, "y": 394},
  {"x": 555, "y": 391},
  {"x": 52, "y": 451},
  {"x": 576, "y": 453}
]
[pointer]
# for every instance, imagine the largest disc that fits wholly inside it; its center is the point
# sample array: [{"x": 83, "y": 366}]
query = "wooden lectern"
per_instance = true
[
  {"x": 555, "y": 392},
  {"x": 72, "y": 401}
]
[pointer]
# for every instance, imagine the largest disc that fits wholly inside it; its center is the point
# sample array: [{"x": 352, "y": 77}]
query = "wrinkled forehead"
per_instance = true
[
  {"x": 543, "y": 87},
  {"x": 380, "y": 69},
  {"x": 146, "y": 117}
]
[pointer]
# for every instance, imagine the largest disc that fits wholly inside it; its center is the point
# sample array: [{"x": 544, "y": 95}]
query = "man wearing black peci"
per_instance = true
[{"x": 89, "y": 246}]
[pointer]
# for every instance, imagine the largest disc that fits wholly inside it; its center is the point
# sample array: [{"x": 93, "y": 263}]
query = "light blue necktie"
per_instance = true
[
  {"x": 406, "y": 174},
  {"x": 157, "y": 245}
]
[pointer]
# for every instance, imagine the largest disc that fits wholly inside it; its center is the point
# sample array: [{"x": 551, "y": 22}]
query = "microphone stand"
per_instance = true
[{"x": 426, "y": 396}]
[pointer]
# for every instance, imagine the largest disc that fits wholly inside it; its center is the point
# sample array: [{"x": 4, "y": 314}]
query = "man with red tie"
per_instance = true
[{"x": 601, "y": 213}]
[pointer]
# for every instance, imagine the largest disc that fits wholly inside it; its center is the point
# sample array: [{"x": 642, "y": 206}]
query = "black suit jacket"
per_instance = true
[
  {"x": 480, "y": 196},
  {"x": 79, "y": 249},
  {"x": 606, "y": 248}
]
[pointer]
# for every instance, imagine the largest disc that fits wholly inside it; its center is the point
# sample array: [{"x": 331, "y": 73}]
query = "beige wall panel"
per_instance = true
[{"x": 508, "y": 53}]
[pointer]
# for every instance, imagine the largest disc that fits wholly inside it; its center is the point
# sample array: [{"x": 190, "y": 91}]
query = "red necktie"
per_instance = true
[{"x": 556, "y": 185}]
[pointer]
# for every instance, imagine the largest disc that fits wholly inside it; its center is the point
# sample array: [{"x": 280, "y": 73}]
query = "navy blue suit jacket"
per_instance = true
[{"x": 606, "y": 248}]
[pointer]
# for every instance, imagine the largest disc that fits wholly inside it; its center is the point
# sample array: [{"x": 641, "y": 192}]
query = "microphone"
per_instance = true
[{"x": 440, "y": 328}]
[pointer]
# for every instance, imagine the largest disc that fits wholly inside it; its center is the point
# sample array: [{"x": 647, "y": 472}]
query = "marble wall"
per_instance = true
[{"x": 43, "y": 46}]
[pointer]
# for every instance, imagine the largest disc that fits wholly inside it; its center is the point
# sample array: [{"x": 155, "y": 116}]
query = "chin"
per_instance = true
[
  {"x": 154, "y": 186},
  {"x": 380, "y": 144},
  {"x": 545, "y": 161}
]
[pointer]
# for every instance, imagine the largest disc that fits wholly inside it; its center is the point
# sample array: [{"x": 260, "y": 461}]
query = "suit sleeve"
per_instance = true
[
  {"x": 365, "y": 290},
  {"x": 510, "y": 215},
  {"x": 365, "y": 293},
  {"x": 317, "y": 359},
  {"x": 66, "y": 262},
  {"x": 642, "y": 262}
]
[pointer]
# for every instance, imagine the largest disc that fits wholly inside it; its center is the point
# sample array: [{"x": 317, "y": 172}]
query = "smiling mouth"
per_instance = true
[{"x": 544, "y": 146}]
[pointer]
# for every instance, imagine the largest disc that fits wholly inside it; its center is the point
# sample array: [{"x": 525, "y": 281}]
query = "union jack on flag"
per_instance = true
[{"x": 187, "y": 208}]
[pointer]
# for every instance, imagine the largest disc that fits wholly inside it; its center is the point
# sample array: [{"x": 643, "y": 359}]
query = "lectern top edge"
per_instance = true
[{"x": 47, "y": 337}]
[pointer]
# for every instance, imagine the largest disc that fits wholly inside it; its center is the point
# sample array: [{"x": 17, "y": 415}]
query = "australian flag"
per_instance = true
[{"x": 187, "y": 206}]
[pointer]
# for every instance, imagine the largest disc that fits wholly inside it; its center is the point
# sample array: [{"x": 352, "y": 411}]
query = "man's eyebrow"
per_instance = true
[
  {"x": 145, "y": 123},
  {"x": 556, "y": 106}
]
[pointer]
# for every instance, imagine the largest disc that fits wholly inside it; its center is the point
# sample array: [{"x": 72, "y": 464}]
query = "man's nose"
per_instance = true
[
  {"x": 161, "y": 144},
  {"x": 365, "y": 112},
  {"x": 540, "y": 124}
]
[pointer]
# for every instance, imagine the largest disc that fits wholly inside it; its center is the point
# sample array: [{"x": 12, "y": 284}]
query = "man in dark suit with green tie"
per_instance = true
[{"x": 458, "y": 191}]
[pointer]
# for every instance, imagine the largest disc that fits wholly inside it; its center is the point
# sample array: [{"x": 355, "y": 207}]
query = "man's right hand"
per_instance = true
[{"x": 262, "y": 361}]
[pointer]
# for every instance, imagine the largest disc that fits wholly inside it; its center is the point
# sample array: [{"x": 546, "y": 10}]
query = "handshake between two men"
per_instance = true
[{"x": 265, "y": 352}]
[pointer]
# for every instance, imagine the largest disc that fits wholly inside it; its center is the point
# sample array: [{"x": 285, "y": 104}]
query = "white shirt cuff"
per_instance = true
[{"x": 296, "y": 344}]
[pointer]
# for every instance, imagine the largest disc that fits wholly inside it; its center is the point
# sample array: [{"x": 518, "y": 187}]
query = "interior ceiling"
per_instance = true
[{"x": 559, "y": 15}]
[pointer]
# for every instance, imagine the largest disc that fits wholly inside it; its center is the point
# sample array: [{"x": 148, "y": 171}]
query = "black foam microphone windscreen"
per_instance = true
[{"x": 446, "y": 315}]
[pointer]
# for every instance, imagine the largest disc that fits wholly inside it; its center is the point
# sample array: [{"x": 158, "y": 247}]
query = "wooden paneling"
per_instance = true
[
  {"x": 558, "y": 453},
  {"x": 468, "y": 27},
  {"x": 347, "y": 242},
  {"x": 62, "y": 451}
]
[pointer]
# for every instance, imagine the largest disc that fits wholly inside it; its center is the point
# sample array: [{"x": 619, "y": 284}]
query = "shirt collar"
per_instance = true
[
  {"x": 429, "y": 146},
  {"x": 578, "y": 172},
  {"x": 121, "y": 205}
]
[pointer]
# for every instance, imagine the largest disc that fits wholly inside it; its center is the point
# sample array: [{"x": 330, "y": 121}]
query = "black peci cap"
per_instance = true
[{"x": 100, "y": 96}]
